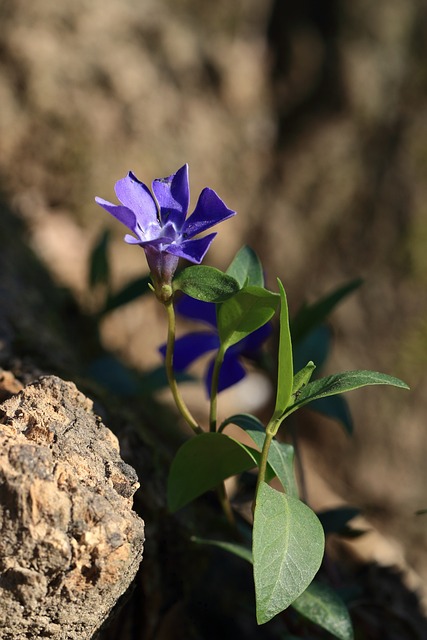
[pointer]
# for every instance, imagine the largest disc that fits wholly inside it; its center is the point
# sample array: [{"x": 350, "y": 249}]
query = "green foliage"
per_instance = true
[
  {"x": 202, "y": 463},
  {"x": 100, "y": 274},
  {"x": 237, "y": 549},
  {"x": 285, "y": 371},
  {"x": 109, "y": 372},
  {"x": 246, "y": 268},
  {"x": 335, "y": 408},
  {"x": 130, "y": 292},
  {"x": 112, "y": 374},
  {"x": 156, "y": 379},
  {"x": 281, "y": 460},
  {"x": 99, "y": 265},
  {"x": 336, "y": 520},
  {"x": 302, "y": 378},
  {"x": 287, "y": 550},
  {"x": 312, "y": 341},
  {"x": 315, "y": 346},
  {"x": 248, "y": 310},
  {"x": 311, "y": 316},
  {"x": 322, "y": 605},
  {"x": 206, "y": 283},
  {"x": 318, "y": 603},
  {"x": 280, "y": 455},
  {"x": 288, "y": 537},
  {"x": 340, "y": 383}
]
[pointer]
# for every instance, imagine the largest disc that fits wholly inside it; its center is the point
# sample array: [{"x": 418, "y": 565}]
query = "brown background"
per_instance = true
[{"x": 310, "y": 120}]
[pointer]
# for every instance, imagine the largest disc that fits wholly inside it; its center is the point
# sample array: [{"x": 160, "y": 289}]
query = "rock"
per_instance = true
[
  {"x": 70, "y": 543},
  {"x": 9, "y": 385}
]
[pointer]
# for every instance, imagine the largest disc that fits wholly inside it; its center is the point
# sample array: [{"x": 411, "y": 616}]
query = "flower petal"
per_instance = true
[
  {"x": 131, "y": 240},
  {"x": 197, "y": 310},
  {"x": 173, "y": 196},
  {"x": 192, "y": 250},
  {"x": 231, "y": 372},
  {"x": 137, "y": 197},
  {"x": 123, "y": 214},
  {"x": 155, "y": 242},
  {"x": 209, "y": 211},
  {"x": 190, "y": 347}
]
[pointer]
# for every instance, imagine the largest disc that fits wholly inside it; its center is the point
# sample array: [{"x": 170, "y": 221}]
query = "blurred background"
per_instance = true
[{"x": 309, "y": 118}]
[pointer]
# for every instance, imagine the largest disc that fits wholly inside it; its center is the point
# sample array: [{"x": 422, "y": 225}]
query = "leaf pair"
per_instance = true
[
  {"x": 204, "y": 462},
  {"x": 288, "y": 538},
  {"x": 295, "y": 391},
  {"x": 212, "y": 285},
  {"x": 244, "y": 305},
  {"x": 284, "y": 567}
]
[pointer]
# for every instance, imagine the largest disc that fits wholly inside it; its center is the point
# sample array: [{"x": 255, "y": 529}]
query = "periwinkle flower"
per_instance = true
[
  {"x": 193, "y": 345},
  {"x": 158, "y": 221}
]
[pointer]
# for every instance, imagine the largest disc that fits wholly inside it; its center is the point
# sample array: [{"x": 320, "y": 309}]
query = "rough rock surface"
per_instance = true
[{"x": 70, "y": 543}]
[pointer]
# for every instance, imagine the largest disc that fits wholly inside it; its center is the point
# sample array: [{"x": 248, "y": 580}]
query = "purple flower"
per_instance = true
[
  {"x": 196, "y": 344},
  {"x": 158, "y": 220}
]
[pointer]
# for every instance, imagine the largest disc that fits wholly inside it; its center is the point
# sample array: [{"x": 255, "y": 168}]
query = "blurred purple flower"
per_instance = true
[
  {"x": 195, "y": 344},
  {"x": 159, "y": 223}
]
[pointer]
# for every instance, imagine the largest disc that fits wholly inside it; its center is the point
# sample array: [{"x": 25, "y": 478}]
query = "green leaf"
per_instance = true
[
  {"x": 231, "y": 547},
  {"x": 202, "y": 463},
  {"x": 113, "y": 375},
  {"x": 248, "y": 310},
  {"x": 336, "y": 520},
  {"x": 287, "y": 550},
  {"x": 315, "y": 346},
  {"x": 206, "y": 283},
  {"x": 155, "y": 379},
  {"x": 99, "y": 266},
  {"x": 128, "y": 293},
  {"x": 280, "y": 455},
  {"x": 322, "y": 605},
  {"x": 302, "y": 378},
  {"x": 246, "y": 268},
  {"x": 311, "y": 316},
  {"x": 109, "y": 372},
  {"x": 335, "y": 408},
  {"x": 285, "y": 371},
  {"x": 342, "y": 382},
  {"x": 281, "y": 459}
]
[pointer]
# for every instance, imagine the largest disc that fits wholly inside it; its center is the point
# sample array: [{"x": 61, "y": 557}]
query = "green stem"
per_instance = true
[
  {"x": 226, "y": 505},
  {"x": 182, "y": 407},
  {"x": 214, "y": 388},
  {"x": 270, "y": 432},
  {"x": 222, "y": 494}
]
